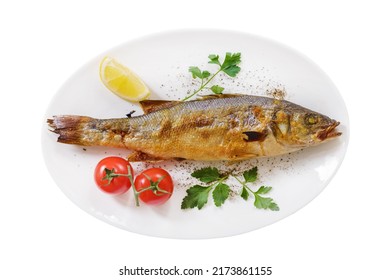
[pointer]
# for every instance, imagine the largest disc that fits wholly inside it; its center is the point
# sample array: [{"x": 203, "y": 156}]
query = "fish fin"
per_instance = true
[
  {"x": 149, "y": 106},
  {"x": 141, "y": 156},
  {"x": 251, "y": 136},
  {"x": 243, "y": 156},
  {"x": 179, "y": 159},
  {"x": 214, "y": 96},
  {"x": 129, "y": 115}
]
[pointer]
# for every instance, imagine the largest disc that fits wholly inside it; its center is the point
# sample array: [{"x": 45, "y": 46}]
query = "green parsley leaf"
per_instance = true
[
  {"x": 231, "y": 59},
  {"x": 217, "y": 89},
  {"x": 207, "y": 174},
  {"x": 262, "y": 202},
  {"x": 196, "y": 72},
  {"x": 229, "y": 65},
  {"x": 214, "y": 59},
  {"x": 265, "y": 203},
  {"x": 220, "y": 194},
  {"x": 205, "y": 74},
  {"x": 250, "y": 175},
  {"x": 273, "y": 206},
  {"x": 197, "y": 196},
  {"x": 232, "y": 70},
  {"x": 244, "y": 193},
  {"x": 263, "y": 190}
]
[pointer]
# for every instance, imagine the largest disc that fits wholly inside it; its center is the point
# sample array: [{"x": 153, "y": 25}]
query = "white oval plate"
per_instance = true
[{"x": 162, "y": 60}]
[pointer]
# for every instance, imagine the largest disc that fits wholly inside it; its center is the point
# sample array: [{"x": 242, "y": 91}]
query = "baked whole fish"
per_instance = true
[{"x": 225, "y": 127}]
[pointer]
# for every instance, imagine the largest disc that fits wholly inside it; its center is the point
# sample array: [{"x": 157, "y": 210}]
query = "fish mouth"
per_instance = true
[{"x": 329, "y": 132}]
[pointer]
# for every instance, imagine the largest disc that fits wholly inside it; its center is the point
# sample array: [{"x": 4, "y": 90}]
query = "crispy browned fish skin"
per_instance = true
[{"x": 231, "y": 127}]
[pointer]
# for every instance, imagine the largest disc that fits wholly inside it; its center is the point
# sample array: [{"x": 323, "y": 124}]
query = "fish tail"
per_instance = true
[
  {"x": 86, "y": 131},
  {"x": 72, "y": 129}
]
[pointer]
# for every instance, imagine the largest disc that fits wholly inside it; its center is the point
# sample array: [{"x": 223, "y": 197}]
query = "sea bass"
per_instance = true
[{"x": 225, "y": 127}]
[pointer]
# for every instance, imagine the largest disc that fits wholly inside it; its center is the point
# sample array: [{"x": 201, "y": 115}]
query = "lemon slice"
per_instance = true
[{"x": 122, "y": 81}]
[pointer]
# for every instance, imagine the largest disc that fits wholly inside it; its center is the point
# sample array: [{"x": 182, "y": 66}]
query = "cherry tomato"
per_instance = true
[
  {"x": 117, "y": 185},
  {"x": 162, "y": 186}
]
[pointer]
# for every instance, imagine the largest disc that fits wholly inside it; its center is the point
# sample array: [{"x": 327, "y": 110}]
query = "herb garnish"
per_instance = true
[
  {"x": 228, "y": 66},
  {"x": 197, "y": 195},
  {"x": 261, "y": 202}
]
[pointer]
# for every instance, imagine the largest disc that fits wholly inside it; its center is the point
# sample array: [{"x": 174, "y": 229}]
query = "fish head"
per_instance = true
[{"x": 300, "y": 127}]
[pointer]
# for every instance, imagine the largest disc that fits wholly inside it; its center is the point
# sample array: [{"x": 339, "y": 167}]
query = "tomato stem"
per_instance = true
[
  {"x": 130, "y": 176},
  {"x": 154, "y": 186},
  {"x": 110, "y": 174}
]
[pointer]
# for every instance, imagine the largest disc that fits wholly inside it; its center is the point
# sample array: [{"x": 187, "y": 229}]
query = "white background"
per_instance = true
[{"x": 343, "y": 233}]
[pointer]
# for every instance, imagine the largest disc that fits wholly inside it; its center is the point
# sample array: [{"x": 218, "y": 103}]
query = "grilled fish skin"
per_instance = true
[{"x": 230, "y": 127}]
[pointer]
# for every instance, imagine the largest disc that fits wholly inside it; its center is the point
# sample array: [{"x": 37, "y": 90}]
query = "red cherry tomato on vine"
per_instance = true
[
  {"x": 117, "y": 184},
  {"x": 159, "y": 181}
]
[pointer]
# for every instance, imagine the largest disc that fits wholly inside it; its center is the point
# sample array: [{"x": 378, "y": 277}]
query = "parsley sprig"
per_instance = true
[
  {"x": 228, "y": 66},
  {"x": 197, "y": 195},
  {"x": 261, "y": 202}
]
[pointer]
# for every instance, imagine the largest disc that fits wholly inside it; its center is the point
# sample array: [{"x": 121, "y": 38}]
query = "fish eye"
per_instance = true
[{"x": 311, "y": 119}]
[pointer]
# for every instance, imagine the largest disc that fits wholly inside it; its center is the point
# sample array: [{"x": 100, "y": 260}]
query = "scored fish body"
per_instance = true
[{"x": 230, "y": 127}]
